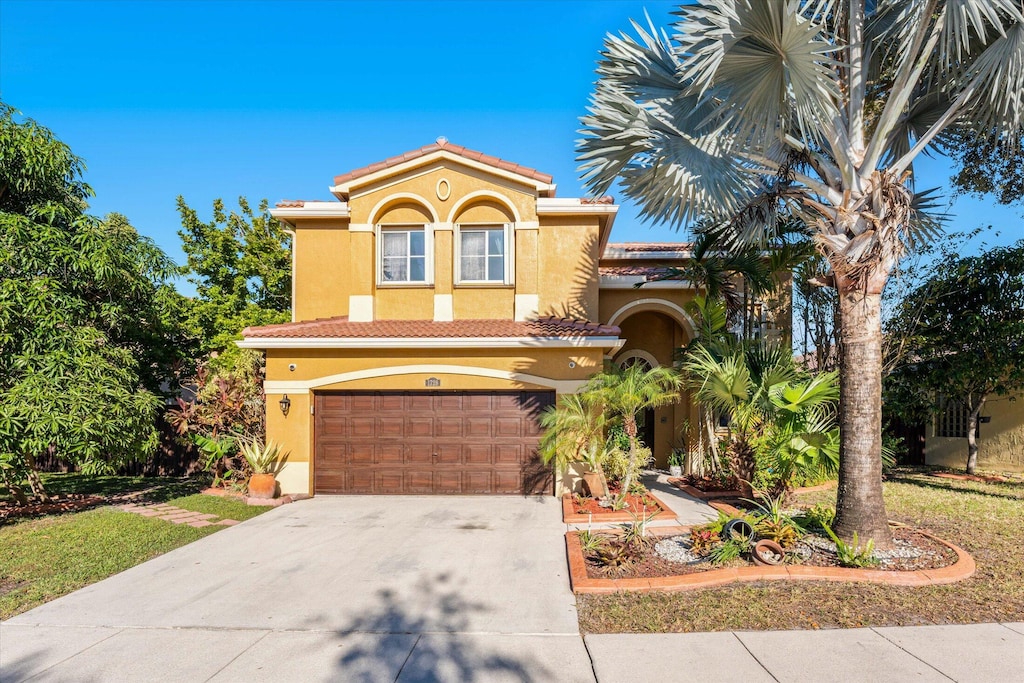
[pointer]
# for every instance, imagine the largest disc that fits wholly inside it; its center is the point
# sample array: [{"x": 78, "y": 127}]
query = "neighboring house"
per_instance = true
[
  {"x": 1000, "y": 435},
  {"x": 440, "y": 305}
]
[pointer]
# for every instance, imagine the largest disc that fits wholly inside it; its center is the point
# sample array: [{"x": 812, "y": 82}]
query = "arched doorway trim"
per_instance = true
[{"x": 672, "y": 310}]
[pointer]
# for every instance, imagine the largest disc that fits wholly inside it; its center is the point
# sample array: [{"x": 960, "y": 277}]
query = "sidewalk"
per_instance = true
[{"x": 975, "y": 653}]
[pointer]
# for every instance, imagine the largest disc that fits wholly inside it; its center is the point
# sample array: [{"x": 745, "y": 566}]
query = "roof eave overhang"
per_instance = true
[
  {"x": 344, "y": 190},
  {"x": 603, "y": 342},
  {"x": 320, "y": 210},
  {"x": 570, "y": 206}
]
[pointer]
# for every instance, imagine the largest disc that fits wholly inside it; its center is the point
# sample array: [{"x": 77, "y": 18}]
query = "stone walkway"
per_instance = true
[{"x": 177, "y": 515}]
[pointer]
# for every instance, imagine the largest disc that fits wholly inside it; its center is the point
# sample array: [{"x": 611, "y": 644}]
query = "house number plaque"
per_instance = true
[{"x": 433, "y": 382}]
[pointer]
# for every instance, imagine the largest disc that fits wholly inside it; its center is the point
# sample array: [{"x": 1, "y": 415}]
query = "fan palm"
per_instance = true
[
  {"x": 758, "y": 109},
  {"x": 574, "y": 431},
  {"x": 767, "y": 399}
]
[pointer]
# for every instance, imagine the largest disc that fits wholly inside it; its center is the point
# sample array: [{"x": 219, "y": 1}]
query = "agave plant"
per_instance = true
[
  {"x": 263, "y": 458},
  {"x": 755, "y": 111}
]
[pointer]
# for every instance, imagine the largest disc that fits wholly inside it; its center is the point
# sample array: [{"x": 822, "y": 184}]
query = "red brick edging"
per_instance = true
[
  {"x": 569, "y": 516},
  {"x": 970, "y": 477},
  {"x": 963, "y": 568},
  {"x": 711, "y": 495}
]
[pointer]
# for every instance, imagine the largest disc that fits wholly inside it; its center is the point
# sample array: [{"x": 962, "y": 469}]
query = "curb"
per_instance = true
[{"x": 963, "y": 568}]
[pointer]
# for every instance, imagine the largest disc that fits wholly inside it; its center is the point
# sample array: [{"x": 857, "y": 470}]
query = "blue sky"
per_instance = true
[{"x": 272, "y": 99}]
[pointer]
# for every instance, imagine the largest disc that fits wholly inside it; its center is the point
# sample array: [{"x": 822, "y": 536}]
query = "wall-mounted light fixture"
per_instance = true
[{"x": 286, "y": 405}]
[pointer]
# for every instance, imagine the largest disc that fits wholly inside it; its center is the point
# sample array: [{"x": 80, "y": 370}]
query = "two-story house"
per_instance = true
[{"x": 440, "y": 305}]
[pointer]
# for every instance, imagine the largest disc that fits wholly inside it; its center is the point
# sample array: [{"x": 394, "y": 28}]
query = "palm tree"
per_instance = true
[
  {"x": 574, "y": 431},
  {"x": 767, "y": 401},
  {"x": 626, "y": 393},
  {"x": 759, "y": 109}
]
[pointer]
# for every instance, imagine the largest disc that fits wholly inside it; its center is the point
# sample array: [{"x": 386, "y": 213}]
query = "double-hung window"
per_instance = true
[
  {"x": 484, "y": 254},
  {"x": 403, "y": 255}
]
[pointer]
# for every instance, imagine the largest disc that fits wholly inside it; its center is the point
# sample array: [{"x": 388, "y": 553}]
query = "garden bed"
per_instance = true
[
  {"x": 577, "y": 509},
  {"x": 705, "y": 488},
  {"x": 934, "y": 561}
]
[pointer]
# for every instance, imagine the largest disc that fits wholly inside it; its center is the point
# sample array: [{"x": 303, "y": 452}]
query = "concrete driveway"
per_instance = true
[{"x": 334, "y": 588}]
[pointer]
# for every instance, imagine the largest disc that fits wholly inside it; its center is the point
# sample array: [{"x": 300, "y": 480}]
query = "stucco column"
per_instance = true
[
  {"x": 363, "y": 266},
  {"x": 527, "y": 301}
]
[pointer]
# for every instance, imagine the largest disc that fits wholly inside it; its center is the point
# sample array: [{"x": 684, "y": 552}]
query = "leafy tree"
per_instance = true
[
  {"x": 753, "y": 111},
  {"x": 240, "y": 264},
  {"x": 987, "y": 166},
  {"x": 964, "y": 338},
  {"x": 80, "y": 300},
  {"x": 626, "y": 393}
]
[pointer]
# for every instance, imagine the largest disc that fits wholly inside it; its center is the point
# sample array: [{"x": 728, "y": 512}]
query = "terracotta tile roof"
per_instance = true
[
  {"x": 341, "y": 327},
  {"x": 631, "y": 271},
  {"x": 638, "y": 247},
  {"x": 448, "y": 147},
  {"x": 290, "y": 204}
]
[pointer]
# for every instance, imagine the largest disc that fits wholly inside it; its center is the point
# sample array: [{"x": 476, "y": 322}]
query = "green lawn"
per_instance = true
[
  {"x": 984, "y": 519},
  {"x": 42, "y": 559}
]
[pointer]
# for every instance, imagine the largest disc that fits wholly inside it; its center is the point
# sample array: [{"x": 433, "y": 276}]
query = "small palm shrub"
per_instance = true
[{"x": 852, "y": 554}]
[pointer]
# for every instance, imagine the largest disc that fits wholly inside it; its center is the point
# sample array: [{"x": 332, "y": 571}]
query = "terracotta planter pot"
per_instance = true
[
  {"x": 262, "y": 486},
  {"x": 767, "y": 552},
  {"x": 592, "y": 480}
]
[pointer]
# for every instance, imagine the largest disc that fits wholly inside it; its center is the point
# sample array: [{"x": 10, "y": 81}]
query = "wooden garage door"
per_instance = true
[{"x": 430, "y": 442}]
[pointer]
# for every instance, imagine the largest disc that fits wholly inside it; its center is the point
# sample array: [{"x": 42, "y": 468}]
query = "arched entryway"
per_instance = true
[{"x": 652, "y": 338}]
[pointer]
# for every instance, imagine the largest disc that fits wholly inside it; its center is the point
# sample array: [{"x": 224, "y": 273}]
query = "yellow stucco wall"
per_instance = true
[
  {"x": 1001, "y": 442},
  {"x": 567, "y": 267},
  {"x": 423, "y": 182},
  {"x": 322, "y": 269}
]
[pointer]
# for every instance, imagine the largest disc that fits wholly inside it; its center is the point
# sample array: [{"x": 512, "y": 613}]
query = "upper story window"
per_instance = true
[
  {"x": 403, "y": 254},
  {"x": 484, "y": 254}
]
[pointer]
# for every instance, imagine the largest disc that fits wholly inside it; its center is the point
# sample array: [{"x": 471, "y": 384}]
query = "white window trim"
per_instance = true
[
  {"x": 510, "y": 260},
  {"x": 428, "y": 253}
]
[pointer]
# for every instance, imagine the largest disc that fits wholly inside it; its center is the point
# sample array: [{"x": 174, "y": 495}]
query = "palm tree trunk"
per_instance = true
[
  {"x": 629, "y": 423},
  {"x": 972, "y": 436},
  {"x": 859, "y": 504}
]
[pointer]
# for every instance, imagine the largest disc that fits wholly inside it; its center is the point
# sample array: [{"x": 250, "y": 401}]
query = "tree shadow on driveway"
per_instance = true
[{"x": 437, "y": 617}]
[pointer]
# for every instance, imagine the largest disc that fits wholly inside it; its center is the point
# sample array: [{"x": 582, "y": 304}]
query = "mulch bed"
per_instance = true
[
  {"x": 710, "y": 484},
  {"x": 638, "y": 505},
  {"x": 933, "y": 555}
]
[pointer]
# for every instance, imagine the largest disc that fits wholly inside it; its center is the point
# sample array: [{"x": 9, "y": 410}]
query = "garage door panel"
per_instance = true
[
  {"x": 508, "y": 427},
  {"x": 506, "y": 481},
  {"x": 360, "y": 481},
  {"x": 391, "y": 454},
  {"x": 477, "y": 482},
  {"x": 477, "y": 454},
  {"x": 391, "y": 426},
  {"x": 362, "y": 427},
  {"x": 361, "y": 454},
  {"x": 477, "y": 402},
  {"x": 507, "y": 454},
  {"x": 444, "y": 402},
  {"x": 447, "y": 481},
  {"x": 389, "y": 481},
  {"x": 361, "y": 402},
  {"x": 429, "y": 442},
  {"x": 419, "y": 454},
  {"x": 448, "y": 427},
  {"x": 391, "y": 403},
  {"x": 477, "y": 427},
  {"x": 419, "y": 427},
  {"x": 419, "y": 402},
  {"x": 419, "y": 481},
  {"x": 447, "y": 453}
]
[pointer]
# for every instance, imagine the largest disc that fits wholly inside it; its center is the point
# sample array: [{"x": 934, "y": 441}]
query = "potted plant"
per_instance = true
[
  {"x": 675, "y": 462},
  {"x": 266, "y": 461}
]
